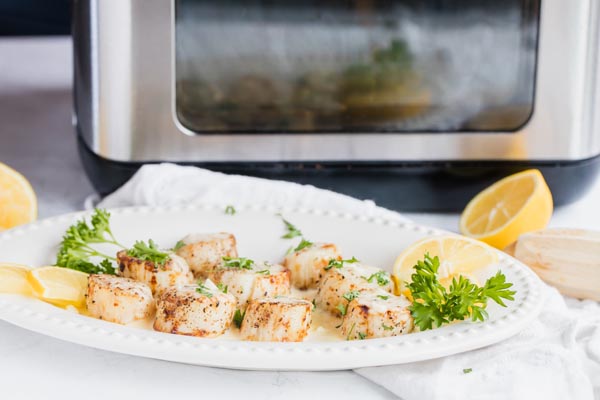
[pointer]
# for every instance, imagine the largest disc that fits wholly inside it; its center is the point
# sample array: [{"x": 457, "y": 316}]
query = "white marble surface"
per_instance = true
[{"x": 36, "y": 138}]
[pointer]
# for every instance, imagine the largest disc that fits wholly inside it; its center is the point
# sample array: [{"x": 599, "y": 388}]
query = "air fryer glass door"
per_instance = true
[{"x": 359, "y": 66}]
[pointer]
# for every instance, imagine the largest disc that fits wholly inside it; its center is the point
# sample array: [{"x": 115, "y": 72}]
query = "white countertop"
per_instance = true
[{"x": 37, "y": 139}]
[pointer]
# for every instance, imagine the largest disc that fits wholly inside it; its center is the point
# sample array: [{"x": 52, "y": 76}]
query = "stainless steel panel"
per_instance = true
[{"x": 133, "y": 116}]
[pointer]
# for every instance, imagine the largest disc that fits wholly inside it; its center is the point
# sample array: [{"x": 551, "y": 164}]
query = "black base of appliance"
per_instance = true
[{"x": 406, "y": 186}]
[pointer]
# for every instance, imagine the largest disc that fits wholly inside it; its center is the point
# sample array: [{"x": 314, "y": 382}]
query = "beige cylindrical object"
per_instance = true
[{"x": 568, "y": 259}]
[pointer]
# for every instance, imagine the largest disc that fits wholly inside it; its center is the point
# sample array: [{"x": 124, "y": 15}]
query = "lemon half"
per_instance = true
[
  {"x": 13, "y": 279},
  {"x": 458, "y": 256},
  {"x": 60, "y": 286},
  {"x": 18, "y": 203},
  {"x": 517, "y": 204}
]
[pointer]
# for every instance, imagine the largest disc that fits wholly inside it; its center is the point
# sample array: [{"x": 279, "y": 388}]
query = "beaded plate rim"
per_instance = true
[{"x": 40, "y": 317}]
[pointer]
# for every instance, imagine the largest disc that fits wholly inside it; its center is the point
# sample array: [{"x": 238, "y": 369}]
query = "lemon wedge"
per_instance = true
[
  {"x": 18, "y": 203},
  {"x": 13, "y": 279},
  {"x": 458, "y": 256},
  {"x": 60, "y": 286},
  {"x": 517, "y": 204}
]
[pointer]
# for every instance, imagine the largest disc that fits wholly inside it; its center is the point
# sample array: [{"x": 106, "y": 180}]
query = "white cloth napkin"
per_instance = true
[
  {"x": 170, "y": 184},
  {"x": 556, "y": 357}
]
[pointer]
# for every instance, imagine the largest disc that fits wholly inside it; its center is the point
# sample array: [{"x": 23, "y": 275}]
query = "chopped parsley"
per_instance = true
[
  {"x": 314, "y": 303},
  {"x": 467, "y": 370},
  {"x": 230, "y": 210},
  {"x": 239, "y": 263},
  {"x": 382, "y": 297},
  {"x": 292, "y": 231},
  {"x": 203, "y": 290},
  {"x": 351, "y": 295},
  {"x": 387, "y": 328},
  {"x": 381, "y": 277},
  {"x": 348, "y": 296},
  {"x": 264, "y": 272},
  {"x": 238, "y": 318},
  {"x": 178, "y": 245},
  {"x": 362, "y": 336},
  {"x": 303, "y": 244},
  {"x": 350, "y": 331},
  {"x": 333, "y": 263},
  {"x": 222, "y": 288}
]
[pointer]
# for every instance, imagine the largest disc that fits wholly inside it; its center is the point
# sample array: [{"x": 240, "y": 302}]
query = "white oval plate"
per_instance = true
[{"x": 258, "y": 231}]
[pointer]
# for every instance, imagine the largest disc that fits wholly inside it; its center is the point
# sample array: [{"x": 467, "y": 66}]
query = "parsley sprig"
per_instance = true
[
  {"x": 149, "y": 252},
  {"x": 434, "y": 305},
  {"x": 76, "y": 251}
]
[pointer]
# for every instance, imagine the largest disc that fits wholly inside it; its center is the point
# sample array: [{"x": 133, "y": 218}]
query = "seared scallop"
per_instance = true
[
  {"x": 174, "y": 272},
  {"x": 194, "y": 310},
  {"x": 204, "y": 252},
  {"x": 347, "y": 278},
  {"x": 117, "y": 299},
  {"x": 280, "y": 319},
  {"x": 307, "y": 265},
  {"x": 376, "y": 315},
  {"x": 253, "y": 282}
]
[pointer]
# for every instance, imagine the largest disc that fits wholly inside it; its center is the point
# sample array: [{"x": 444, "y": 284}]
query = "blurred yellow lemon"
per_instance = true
[
  {"x": 60, "y": 286},
  {"x": 13, "y": 279},
  {"x": 18, "y": 204},
  {"x": 514, "y": 205},
  {"x": 458, "y": 256}
]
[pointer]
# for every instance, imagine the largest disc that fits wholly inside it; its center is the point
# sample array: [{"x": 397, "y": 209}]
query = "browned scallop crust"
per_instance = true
[
  {"x": 273, "y": 285},
  {"x": 204, "y": 253},
  {"x": 117, "y": 299},
  {"x": 174, "y": 272},
  {"x": 251, "y": 284},
  {"x": 370, "y": 316},
  {"x": 307, "y": 265},
  {"x": 276, "y": 320},
  {"x": 350, "y": 277},
  {"x": 184, "y": 311}
]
